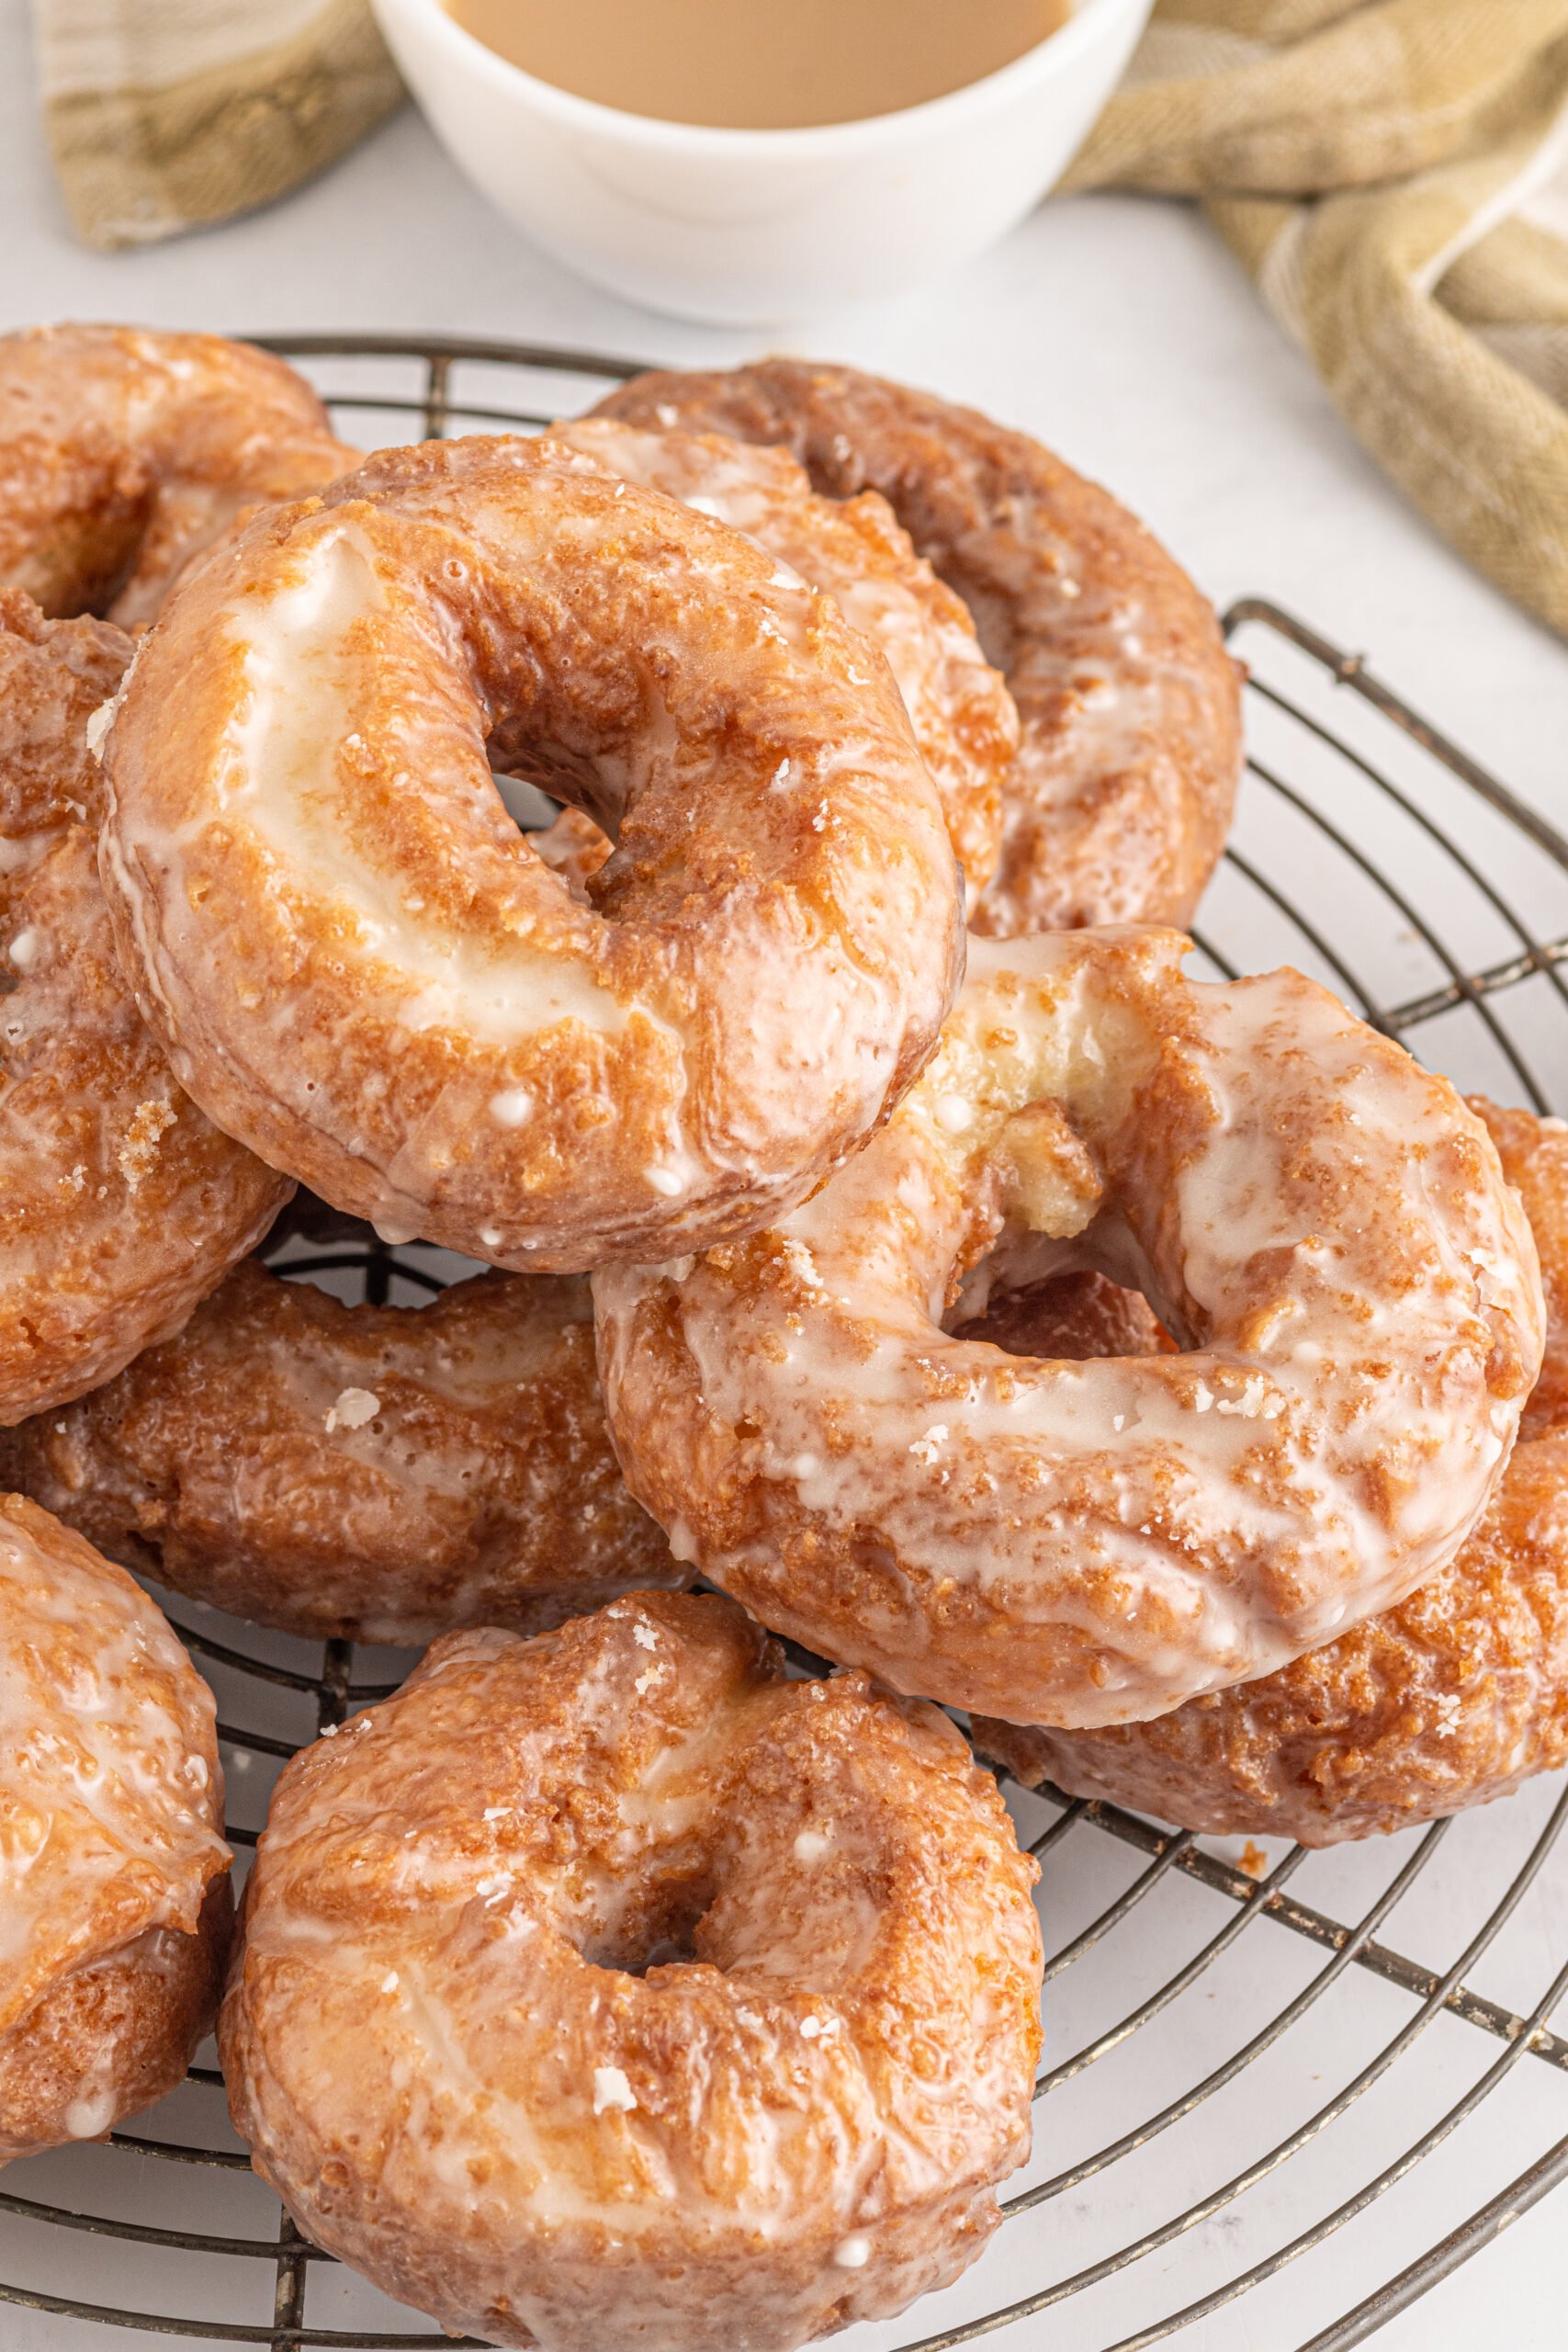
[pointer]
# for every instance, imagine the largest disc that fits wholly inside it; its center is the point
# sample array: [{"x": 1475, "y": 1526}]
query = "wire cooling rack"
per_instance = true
[{"x": 1253, "y": 2056}]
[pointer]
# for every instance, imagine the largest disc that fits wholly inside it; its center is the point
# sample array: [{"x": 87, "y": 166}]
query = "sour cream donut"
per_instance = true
[
  {"x": 1322, "y": 1225},
  {"x": 963, "y": 714},
  {"x": 360, "y": 967},
  {"x": 609, "y": 1987},
  {"x": 1451, "y": 1699},
  {"x": 1117, "y": 806},
  {"x": 121, "y": 1204},
  {"x": 124, "y": 453},
  {"x": 114, "y": 1894},
  {"x": 380, "y": 1474}
]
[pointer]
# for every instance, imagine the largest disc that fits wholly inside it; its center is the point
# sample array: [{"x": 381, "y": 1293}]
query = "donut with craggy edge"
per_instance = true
[
  {"x": 963, "y": 716},
  {"x": 124, "y": 453},
  {"x": 377, "y": 1474},
  {"x": 611, "y": 1987},
  {"x": 1451, "y": 1699},
  {"x": 1117, "y": 806},
  {"x": 122, "y": 1205},
  {"x": 386, "y": 992},
  {"x": 1321, "y": 1223},
  {"x": 113, "y": 1884}
]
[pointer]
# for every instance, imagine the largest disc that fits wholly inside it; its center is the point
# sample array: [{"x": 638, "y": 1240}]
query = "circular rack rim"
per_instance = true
[{"x": 1170, "y": 1856}]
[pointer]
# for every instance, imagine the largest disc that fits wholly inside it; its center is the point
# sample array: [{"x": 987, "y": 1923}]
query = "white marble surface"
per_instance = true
[{"x": 1121, "y": 332}]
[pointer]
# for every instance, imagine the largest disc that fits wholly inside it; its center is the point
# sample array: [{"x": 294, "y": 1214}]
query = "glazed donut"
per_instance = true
[
  {"x": 121, "y": 1204},
  {"x": 383, "y": 989},
  {"x": 1117, "y": 806},
  {"x": 1324, "y": 1225},
  {"x": 964, "y": 718},
  {"x": 113, "y": 1870},
  {"x": 123, "y": 454},
  {"x": 609, "y": 1987},
  {"x": 381, "y": 1473},
  {"x": 1450, "y": 1700}
]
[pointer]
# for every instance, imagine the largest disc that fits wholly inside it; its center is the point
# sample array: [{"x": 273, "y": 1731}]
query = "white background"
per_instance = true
[{"x": 1121, "y": 332}]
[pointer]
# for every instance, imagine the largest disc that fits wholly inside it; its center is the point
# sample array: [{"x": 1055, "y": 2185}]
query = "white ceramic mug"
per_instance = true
[{"x": 756, "y": 227}]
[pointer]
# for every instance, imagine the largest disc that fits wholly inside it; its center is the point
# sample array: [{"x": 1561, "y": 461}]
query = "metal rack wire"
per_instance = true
[{"x": 1367, "y": 849}]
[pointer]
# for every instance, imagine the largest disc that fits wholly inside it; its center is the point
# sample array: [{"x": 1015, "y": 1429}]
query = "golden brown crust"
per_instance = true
[
  {"x": 382, "y": 1474},
  {"x": 964, "y": 718},
  {"x": 112, "y": 1864},
  {"x": 772, "y": 948},
  {"x": 610, "y": 1984},
  {"x": 113, "y": 2036},
  {"x": 122, "y": 1205},
  {"x": 1117, "y": 806},
  {"x": 124, "y": 453},
  {"x": 1324, "y": 1224},
  {"x": 1534, "y": 1153},
  {"x": 1450, "y": 1700}
]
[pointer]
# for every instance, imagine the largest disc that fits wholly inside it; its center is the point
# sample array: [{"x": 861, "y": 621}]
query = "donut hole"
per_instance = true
[
  {"x": 772, "y": 1870},
  {"x": 652, "y": 1925},
  {"x": 1047, "y": 1265},
  {"x": 1069, "y": 1318},
  {"x": 993, "y": 612},
  {"x": 86, "y": 558},
  {"x": 530, "y": 806},
  {"x": 545, "y": 750}
]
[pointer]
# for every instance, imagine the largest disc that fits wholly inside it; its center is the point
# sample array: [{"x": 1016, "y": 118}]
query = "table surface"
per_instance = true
[{"x": 1120, "y": 331}]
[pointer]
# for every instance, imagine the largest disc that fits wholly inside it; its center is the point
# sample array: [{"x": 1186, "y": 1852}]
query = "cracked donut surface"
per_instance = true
[
  {"x": 359, "y": 966},
  {"x": 1322, "y": 1225},
  {"x": 963, "y": 716},
  {"x": 122, "y": 1204},
  {"x": 378, "y": 1473},
  {"x": 1117, "y": 805},
  {"x": 114, "y": 1904},
  {"x": 1451, "y": 1699},
  {"x": 124, "y": 452},
  {"x": 610, "y": 1984}
]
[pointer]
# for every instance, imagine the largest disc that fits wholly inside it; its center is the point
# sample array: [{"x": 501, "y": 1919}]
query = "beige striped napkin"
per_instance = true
[
  {"x": 1394, "y": 175},
  {"x": 165, "y": 115}
]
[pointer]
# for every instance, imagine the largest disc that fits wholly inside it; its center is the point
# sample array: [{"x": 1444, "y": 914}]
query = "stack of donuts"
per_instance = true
[{"x": 872, "y": 1224}]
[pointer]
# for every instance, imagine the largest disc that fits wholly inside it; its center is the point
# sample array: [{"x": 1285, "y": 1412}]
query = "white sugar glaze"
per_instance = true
[
  {"x": 353, "y": 957},
  {"x": 111, "y": 1782},
  {"x": 124, "y": 454},
  {"x": 962, "y": 714},
  {"x": 1117, "y": 805},
  {"x": 1326, "y": 1226},
  {"x": 544, "y": 2023},
  {"x": 113, "y": 1910},
  {"x": 300, "y": 650},
  {"x": 1450, "y": 1699},
  {"x": 120, "y": 1205},
  {"x": 373, "y": 1473}
]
